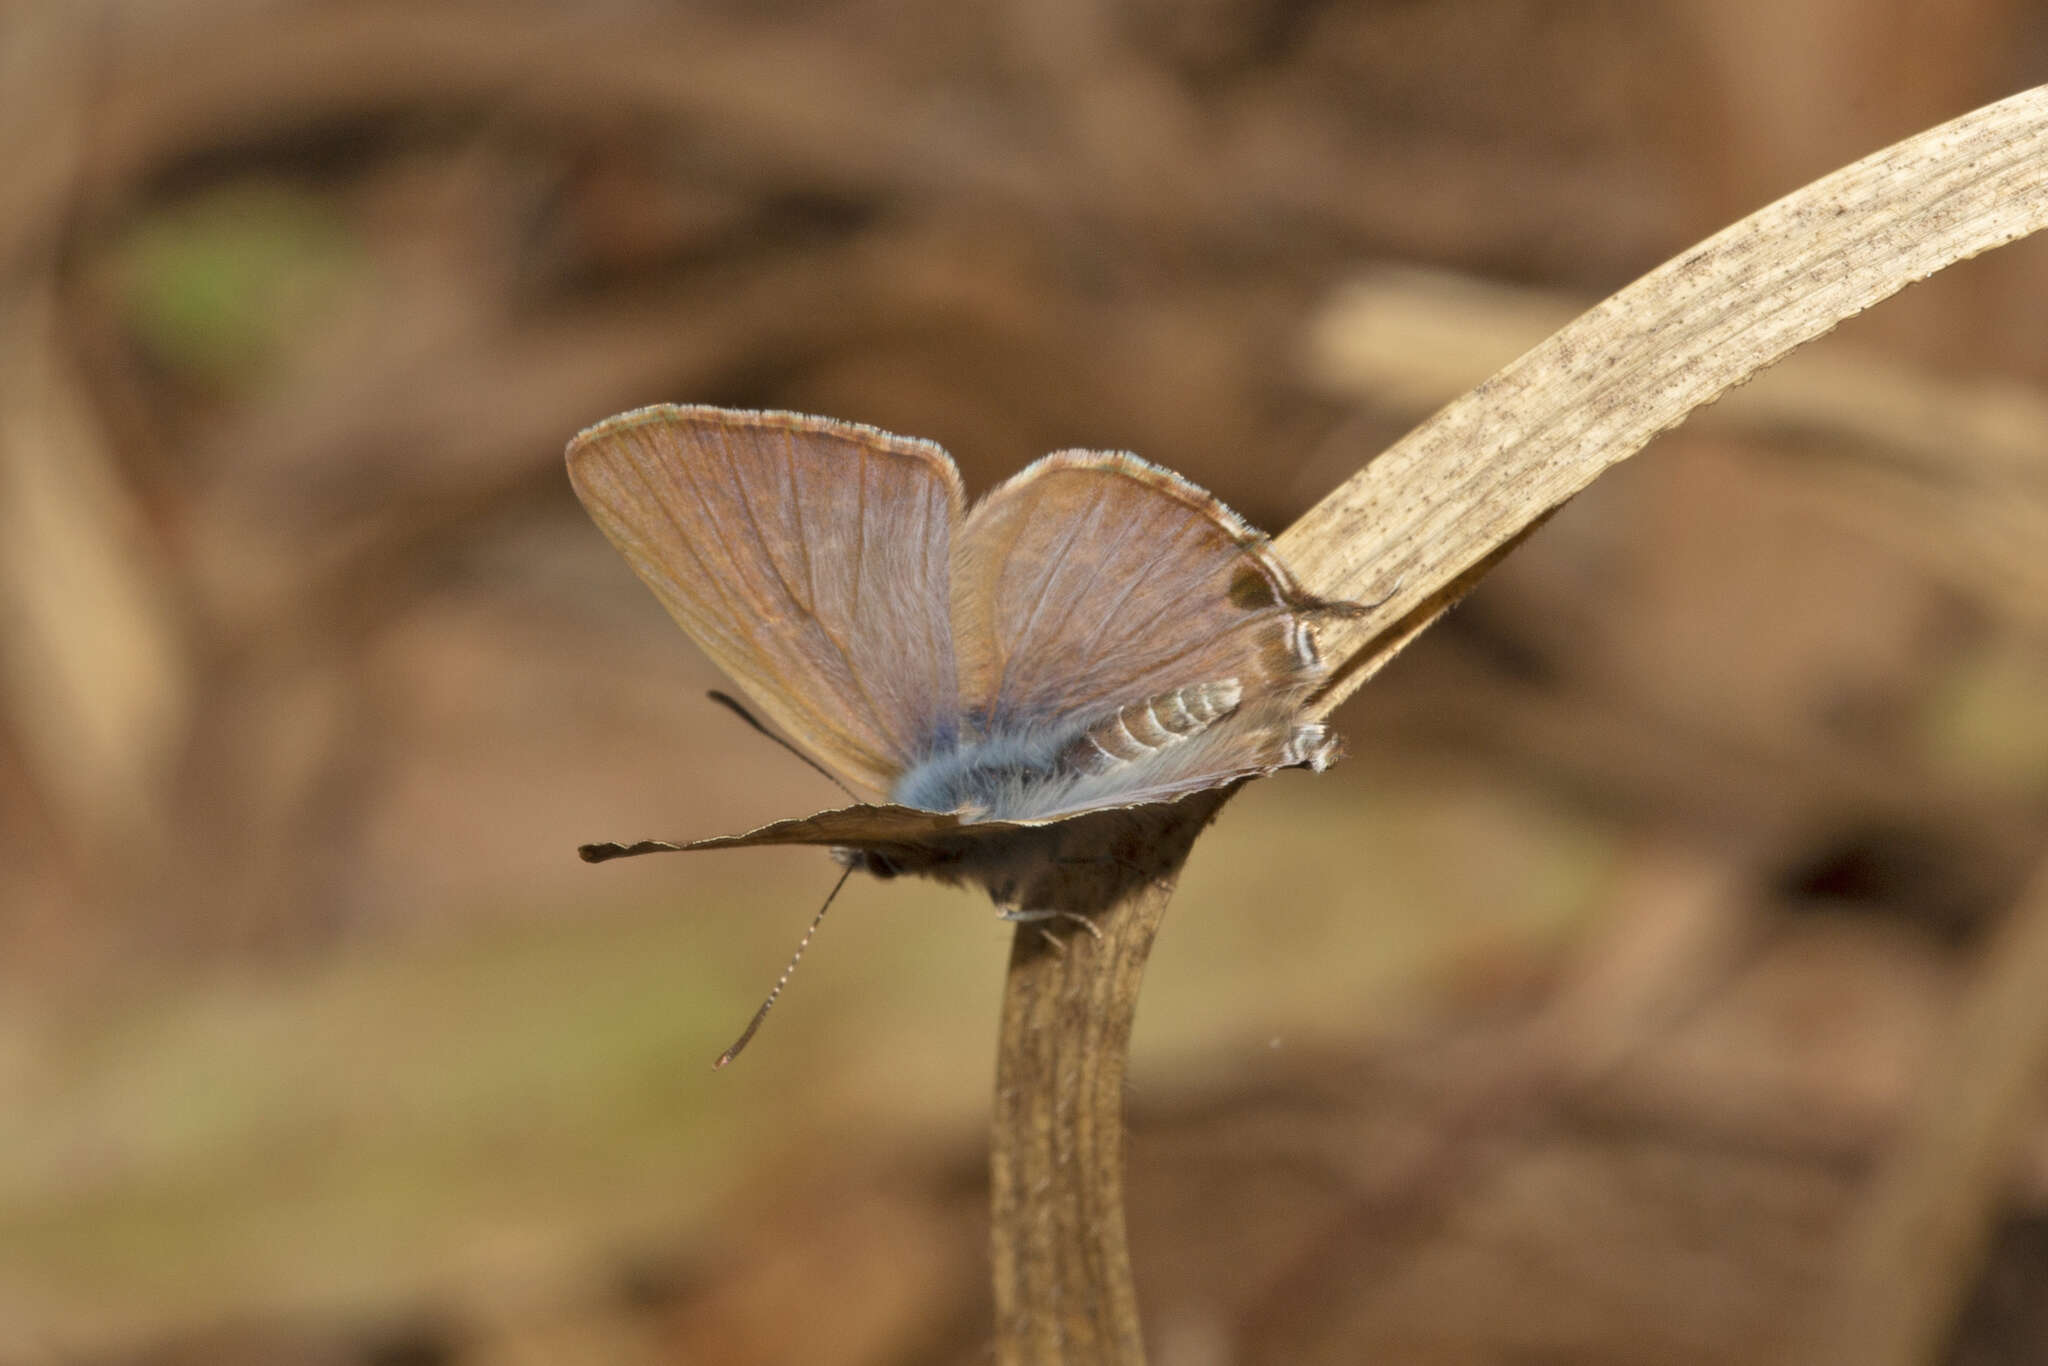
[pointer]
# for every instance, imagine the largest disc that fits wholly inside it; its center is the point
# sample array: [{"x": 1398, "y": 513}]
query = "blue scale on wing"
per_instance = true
[{"x": 1040, "y": 771}]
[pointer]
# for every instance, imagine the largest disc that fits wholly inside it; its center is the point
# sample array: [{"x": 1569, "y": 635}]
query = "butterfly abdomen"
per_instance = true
[{"x": 1024, "y": 772}]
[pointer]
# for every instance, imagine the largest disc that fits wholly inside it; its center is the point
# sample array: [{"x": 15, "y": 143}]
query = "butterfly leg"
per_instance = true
[{"x": 1023, "y": 917}]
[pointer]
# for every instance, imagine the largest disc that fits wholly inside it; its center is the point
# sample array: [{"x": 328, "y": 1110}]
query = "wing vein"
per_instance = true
[
  {"x": 796, "y": 512},
  {"x": 997, "y": 639},
  {"x": 873, "y": 714},
  {"x": 739, "y": 487},
  {"x": 1057, "y": 561},
  {"x": 655, "y": 496},
  {"x": 757, "y": 611},
  {"x": 860, "y": 523},
  {"x": 1132, "y": 583}
]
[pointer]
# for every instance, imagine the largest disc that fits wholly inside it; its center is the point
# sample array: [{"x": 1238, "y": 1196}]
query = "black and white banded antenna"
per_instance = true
[{"x": 754, "y": 1024}]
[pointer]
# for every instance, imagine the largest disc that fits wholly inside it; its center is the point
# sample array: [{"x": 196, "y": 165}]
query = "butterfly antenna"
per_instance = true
[
  {"x": 732, "y": 704},
  {"x": 748, "y": 1033}
]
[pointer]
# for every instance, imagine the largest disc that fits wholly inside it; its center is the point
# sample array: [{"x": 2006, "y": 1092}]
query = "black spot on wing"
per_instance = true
[{"x": 1251, "y": 590}]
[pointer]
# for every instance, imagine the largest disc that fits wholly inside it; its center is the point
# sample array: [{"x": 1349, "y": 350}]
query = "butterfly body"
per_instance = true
[{"x": 1096, "y": 637}]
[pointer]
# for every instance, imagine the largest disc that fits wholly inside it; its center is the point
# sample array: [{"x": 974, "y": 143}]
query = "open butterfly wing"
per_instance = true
[
  {"x": 878, "y": 828},
  {"x": 1093, "y": 581},
  {"x": 808, "y": 558}
]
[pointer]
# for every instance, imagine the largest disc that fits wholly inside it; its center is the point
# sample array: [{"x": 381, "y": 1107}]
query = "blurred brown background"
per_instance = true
[{"x": 1582, "y": 1015}]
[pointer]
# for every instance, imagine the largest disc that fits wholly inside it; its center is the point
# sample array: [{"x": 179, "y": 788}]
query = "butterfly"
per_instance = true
[{"x": 1096, "y": 635}]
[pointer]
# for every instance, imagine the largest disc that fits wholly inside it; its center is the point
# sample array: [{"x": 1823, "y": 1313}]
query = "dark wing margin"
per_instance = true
[{"x": 808, "y": 558}]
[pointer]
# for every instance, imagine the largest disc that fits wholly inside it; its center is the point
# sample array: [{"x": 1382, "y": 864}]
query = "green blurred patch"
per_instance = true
[
  {"x": 446, "y": 1111},
  {"x": 338, "y": 1133},
  {"x": 1987, "y": 724},
  {"x": 218, "y": 284}
]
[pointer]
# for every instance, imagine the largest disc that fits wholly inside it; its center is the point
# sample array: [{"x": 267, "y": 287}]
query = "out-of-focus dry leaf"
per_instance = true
[
  {"x": 97, "y": 686},
  {"x": 94, "y": 681},
  {"x": 1918, "y": 1240}
]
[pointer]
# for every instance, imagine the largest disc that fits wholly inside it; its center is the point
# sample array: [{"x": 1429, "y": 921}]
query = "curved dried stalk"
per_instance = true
[{"x": 1423, "y": 523}]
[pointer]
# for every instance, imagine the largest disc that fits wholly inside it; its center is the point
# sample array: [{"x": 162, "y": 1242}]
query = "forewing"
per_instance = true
[
  {"x": 846, "y": 827},
  {"x": 808, "y": 558},
  {"x": 1092, "y": 581}
]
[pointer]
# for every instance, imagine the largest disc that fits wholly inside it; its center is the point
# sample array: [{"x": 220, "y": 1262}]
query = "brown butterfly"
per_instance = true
[{"x": 1096, "y": 634}]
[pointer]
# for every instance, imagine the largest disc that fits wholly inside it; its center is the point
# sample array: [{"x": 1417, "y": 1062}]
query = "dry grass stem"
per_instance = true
[
  {"x": 1407, "y": 340},
  {"x": 1420, "y": 525},
  {"x": 1423, "y": 520}
]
